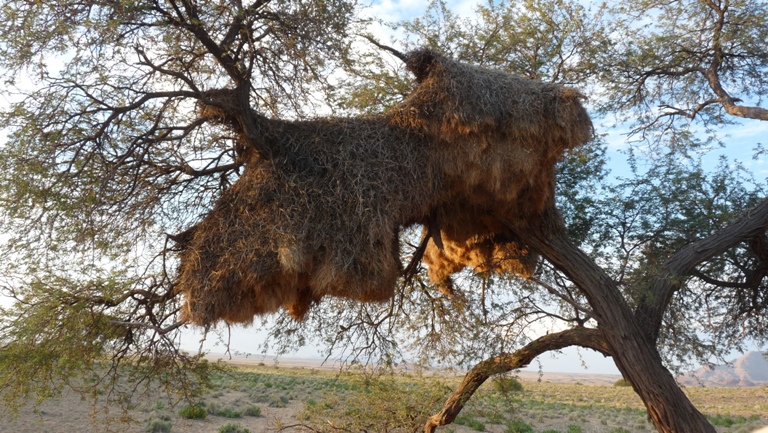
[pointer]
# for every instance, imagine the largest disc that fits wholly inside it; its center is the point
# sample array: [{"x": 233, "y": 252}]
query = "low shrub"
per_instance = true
[
  {"x": 281, "y": 401},
  {"x": 381, "y": 400},
  {"x": 233, "y": 428},
  {"x": 518, "y": 426},
  {"x": 253, "y": 411},
  {"x": 156, "y": 425},
  {"x": 506, "y": 384},
  {"x": 228, "y": 412},
  {"x": 193, "y": 412},
  {"x": 622, "y": 382},
  {"x": 470, "y": 422},
  {"x": 726, "y": 420}
]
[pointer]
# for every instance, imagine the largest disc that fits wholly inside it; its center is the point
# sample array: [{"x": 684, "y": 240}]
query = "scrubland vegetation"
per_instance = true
[
  {"x": 326, "y": 401},
  {"x": 268, "y": 398}
]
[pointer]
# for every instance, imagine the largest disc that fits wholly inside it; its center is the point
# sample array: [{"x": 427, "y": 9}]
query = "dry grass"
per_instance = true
[{"x": 312, "y": 397}]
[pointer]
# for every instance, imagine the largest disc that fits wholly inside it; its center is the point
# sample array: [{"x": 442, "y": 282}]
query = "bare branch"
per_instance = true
[
  {"x": 159, "y": 330},
  {"x": 562, "y": 297},
  {"x": 395, "y": 52}
]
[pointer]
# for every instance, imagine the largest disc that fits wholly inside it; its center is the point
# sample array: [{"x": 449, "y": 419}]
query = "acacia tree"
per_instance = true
[
  {"x": 670, "y": 254},
  {"x": 108, "y": 156}
]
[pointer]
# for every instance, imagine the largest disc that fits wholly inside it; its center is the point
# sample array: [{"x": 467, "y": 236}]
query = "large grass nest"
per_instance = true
[{"x": 469, "y": 154}]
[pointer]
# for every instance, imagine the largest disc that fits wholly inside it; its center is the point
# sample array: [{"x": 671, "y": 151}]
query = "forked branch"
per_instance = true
[{"x": 752, "y": 225}]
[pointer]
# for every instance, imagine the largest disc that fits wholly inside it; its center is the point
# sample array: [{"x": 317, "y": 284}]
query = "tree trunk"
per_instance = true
[{"x": 635, "y": 355}]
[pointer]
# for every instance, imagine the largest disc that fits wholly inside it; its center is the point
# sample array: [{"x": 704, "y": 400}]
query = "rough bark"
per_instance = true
[
  {"x": 634, "y": 353},
  {"x": 584, "y": 337}
]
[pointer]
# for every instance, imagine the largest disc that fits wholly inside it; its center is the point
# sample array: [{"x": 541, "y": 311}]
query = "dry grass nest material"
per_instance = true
[{"x": 469, "y": 154}]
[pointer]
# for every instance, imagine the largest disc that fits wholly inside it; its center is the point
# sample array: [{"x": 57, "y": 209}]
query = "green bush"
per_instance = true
[
  {"x": 619, "y": 430},
  {"x": 518, "y": 426},
  {"x": 384, "y": 400},
  {"x": 506, "y": 384},
  {"x": 551, "y": 431},
  {"x": 622, "y": 382},
  {"x": 233, "y": 428},
  {"x": 470, "y": 422},
  {"x": 193, "y": 412},
  {"x": 280, "y": 401},
  {"x": 726, "y": 420},
  {"x": 254, "y": 411},
  {"x": 573, "y": 428},
  {"x": 228, "y": 413},
  {"x": 158, "y": 426}
]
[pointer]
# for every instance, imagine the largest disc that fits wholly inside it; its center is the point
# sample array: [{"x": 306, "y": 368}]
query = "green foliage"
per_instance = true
[
  {"x": 691, "y": 50},
  {"x": 102, "y": 157},
  {"x": 726, "y": 420},
  {"x": 193, "y": 412},
  {"x": 470, "y": 422},
  {"x": 254, "y": 411},
  {"x": 622, "y": 382},
  {"x": 157, "y": 425},
  {"x": 518, "y": 426},
  {"x": 233, "y": 428},
  {"x": 506, "y": 384},
  {"x": 573, "y": 428},
  {"x": 619, "y": 430},
  {"x": 228, "y": 413},
  {"x": 215, "y": 409},
  {"x": 379, "y": 401}
]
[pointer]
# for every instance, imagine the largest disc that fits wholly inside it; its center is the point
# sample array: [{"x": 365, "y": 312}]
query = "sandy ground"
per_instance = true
[{"x": 71, "y": 414}]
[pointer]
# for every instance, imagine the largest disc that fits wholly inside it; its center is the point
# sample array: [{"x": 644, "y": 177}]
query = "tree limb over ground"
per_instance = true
[{"x": 583, "y": 337}]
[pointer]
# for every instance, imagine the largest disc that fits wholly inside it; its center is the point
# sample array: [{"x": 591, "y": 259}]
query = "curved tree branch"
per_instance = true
[
  {"x": 713, "y": 77},
  {"x": 633, "y": 351},
  {"x": 585, "y": 337},
  {"x": 651, "y": 308}
]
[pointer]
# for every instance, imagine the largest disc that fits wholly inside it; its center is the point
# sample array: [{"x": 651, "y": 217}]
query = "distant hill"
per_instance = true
[{"x": 749, "y": 370}]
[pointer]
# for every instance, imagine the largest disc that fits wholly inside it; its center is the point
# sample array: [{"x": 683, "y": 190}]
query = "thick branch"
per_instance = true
[
  {"x": 681, "y": 264},
  {"x": 729, "y": 102},
  {"x": 191, "y": 23},
  {"x": 634, "y": 353},
  {"x": 584, "y": 337},
  {"x": 713, "y": 78}
]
